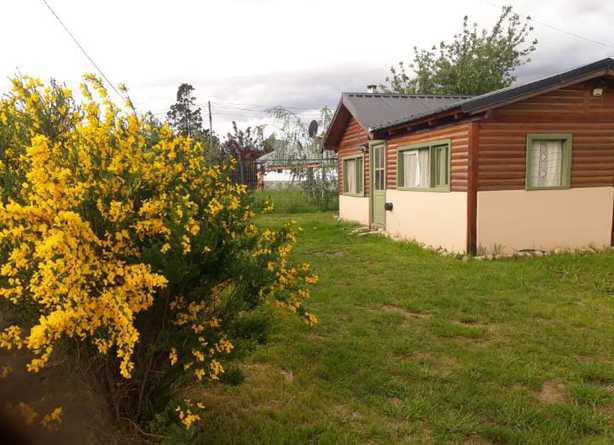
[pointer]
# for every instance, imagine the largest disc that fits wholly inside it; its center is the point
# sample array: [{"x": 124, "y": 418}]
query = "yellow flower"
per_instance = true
[
  {"x": 52, "y": 420},
  {"x": 199, "y": 373},
  {"x": 187, "y": 418},
  {"x": 84, "y": 215},
  {"x": 311, "y": 279},
  {"x": 173, "y": 356},
  {"x": 216, "y": 369}
]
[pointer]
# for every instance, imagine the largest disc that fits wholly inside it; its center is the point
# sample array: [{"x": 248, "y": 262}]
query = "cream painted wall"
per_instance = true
[
  {"x": 354, "y": 208},
  {"x": 545, "y": 219},
  {"x": 437, "y": 219}
]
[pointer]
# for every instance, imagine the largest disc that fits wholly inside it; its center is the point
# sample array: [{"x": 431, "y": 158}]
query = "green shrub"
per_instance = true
[{"x": 124, "y": 247}]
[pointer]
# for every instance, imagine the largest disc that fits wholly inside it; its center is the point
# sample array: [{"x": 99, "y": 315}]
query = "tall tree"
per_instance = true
[
  {"x": 184, "y": 116},
  {"x": 475, "y": 62}
]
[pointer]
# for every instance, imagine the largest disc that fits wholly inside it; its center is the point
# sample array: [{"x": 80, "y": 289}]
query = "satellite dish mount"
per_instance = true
[{"x": 313, "y": 129}]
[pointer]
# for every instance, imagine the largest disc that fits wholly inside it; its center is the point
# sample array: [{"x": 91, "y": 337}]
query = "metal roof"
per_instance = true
[
  {"x": 378, "y": 111},
  {"x": 375, "y": 110},
  {"x": 512, "y": 93}
]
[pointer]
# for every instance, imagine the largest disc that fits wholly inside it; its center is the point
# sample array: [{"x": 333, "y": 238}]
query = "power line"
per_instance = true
[
  {"x": 104, "y": 76},
  {"x": 246, "y": 112},
  {"x": 572, "y": 34},
  {"x": 265, "y": 107}
]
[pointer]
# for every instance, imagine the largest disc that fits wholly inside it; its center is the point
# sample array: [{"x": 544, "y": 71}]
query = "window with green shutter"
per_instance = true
[
  {"x": 424, "y": 166},
  {"x": 353, "y": 176},
  {"x": 548, "y": 161}
]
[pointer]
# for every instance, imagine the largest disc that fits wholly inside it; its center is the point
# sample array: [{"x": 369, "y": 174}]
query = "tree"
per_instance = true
[
  {"x": 475, "y": 62},
  {"x": 302, "y": 151},
  {"x": 184, "y": 116},
  {"x": 244, "y": 145},
  {"x": 296, "y": 143}
]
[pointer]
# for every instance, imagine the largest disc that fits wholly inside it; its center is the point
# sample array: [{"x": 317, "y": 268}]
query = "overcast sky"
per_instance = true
[{"x": 248, "y": 55}]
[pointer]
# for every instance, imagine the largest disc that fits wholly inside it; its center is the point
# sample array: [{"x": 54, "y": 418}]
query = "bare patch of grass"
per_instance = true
[
  {"x": 392, "y": 309},
  {"x": 552, "y": 392}
]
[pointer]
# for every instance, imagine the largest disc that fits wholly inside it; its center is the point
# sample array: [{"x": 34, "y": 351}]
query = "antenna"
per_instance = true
[{"x": 313, "y": 129}]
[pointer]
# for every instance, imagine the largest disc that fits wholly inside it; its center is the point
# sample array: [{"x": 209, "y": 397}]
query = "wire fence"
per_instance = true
[
  {"x": 291, "y": 185},
  {"x": 277, "y": 173}
]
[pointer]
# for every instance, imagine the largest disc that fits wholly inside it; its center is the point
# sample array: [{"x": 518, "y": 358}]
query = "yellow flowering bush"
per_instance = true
[{"x": 116, "y": 234}]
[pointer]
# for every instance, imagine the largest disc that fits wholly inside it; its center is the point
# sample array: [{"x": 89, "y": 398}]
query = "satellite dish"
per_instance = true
[{"x": 313, "y": 129}]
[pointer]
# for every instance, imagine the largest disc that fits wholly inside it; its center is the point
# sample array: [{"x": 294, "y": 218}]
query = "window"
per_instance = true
[
  {"x": 379, "y": 167},
  {"x": 352, "y": 176},
  {"x": 416, "y": 171},
  {"x": 548, "y": 161},
  {"x": 426, "y": 166}
]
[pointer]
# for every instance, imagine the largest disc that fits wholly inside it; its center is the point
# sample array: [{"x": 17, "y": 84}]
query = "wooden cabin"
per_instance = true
[{"x": 525, "y": 167}]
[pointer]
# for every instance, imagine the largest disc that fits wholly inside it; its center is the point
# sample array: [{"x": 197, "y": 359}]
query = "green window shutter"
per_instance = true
[
  {"x": 359, "y": 175},
  {"x": 400, "y": 169},
  {"x": 345, "y": 176},
  {"x": 531, "y": 153},
  {"x": 434, "y": 167}
]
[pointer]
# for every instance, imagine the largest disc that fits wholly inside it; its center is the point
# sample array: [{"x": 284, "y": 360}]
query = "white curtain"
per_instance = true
[
  {"x": 410, "y": 169},
  {"x": 416, "y": 171},
  {"x": 546, "y": 163},
  {"x": 425, "y": 170},
  {"x": 350, "y": 173}
]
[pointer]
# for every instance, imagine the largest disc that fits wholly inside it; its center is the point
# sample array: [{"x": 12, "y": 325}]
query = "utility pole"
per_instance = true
[{"x": 210, "y": 124}]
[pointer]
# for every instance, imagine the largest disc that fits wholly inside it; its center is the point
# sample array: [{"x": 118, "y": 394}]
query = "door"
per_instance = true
[{"x": 378, "y": 185}]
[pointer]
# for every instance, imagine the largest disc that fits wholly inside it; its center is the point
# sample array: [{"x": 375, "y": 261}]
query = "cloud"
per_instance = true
[
  {"x": 302, "y": 89},
  {"x": 245, "y": 98},
  {"x": 248, "y": 55}
]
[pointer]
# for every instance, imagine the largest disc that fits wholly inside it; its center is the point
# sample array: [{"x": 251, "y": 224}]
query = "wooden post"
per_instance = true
[{"x": 472, "y": 188}]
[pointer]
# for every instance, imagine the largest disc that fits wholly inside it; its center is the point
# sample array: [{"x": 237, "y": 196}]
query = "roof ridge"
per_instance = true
[{"x": 408, "y": 96}]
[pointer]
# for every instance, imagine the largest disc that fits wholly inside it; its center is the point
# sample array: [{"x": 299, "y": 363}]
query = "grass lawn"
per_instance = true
[
  {"x": 292, "y": 200},
  {"x": 413, "y": 347}
]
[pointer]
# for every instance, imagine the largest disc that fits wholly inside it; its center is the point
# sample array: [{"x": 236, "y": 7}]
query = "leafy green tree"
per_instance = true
[
  {"x": 184, "y": 116},
  {"x": 475, "y": 62}
]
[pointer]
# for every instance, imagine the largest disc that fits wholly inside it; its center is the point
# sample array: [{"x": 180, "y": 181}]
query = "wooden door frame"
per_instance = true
[{"x": 372, "y": 143}]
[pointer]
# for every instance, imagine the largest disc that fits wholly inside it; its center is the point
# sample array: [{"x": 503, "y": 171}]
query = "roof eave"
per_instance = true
[
  {"x": 480, "y": 106},
  {"x": 334, "y": 132}
]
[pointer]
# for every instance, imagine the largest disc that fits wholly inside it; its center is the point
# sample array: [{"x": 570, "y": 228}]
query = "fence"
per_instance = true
[
  {"x": 259, "y": 175},
  {"x": 294, "y": 185}
]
